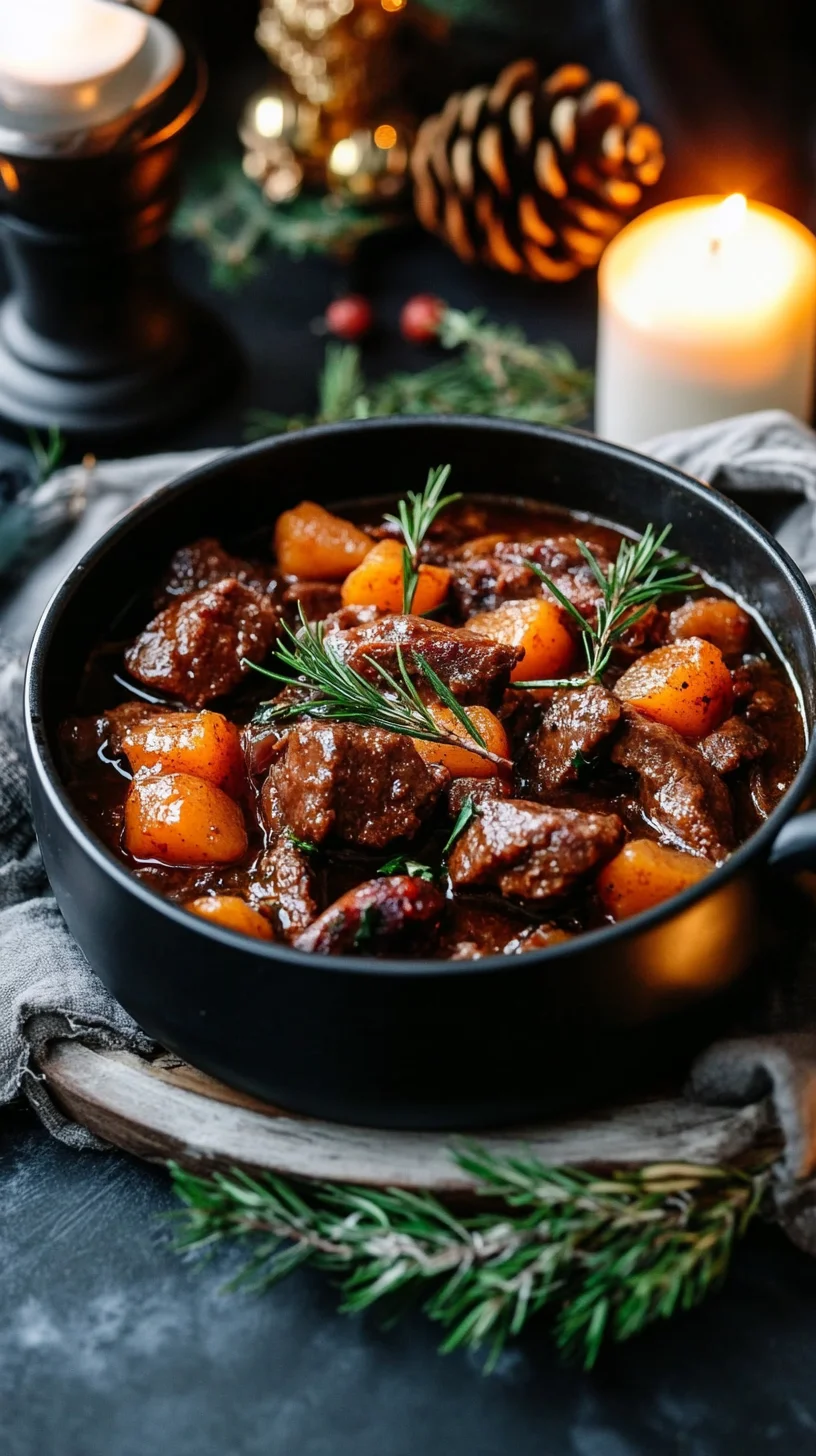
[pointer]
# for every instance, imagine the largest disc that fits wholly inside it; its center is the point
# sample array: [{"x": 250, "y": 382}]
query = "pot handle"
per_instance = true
[{"x": 795, "y": 845}]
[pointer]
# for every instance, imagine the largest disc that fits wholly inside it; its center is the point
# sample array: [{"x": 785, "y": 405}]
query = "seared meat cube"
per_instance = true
[
  {"x": 771, "y": 706},
  {"x": 482, "y": 583},
  {"x": 476, "y": 669},
  {"x": 82, "y": 738},
  {"x": 363, "y": 785},
  {"x": 472, "y": 931},
  {"x": 396, "y": 914},
  {"x": 317, "y": 599},
  {"x": 575, "y": 723},
  {"x": 735, "y": 742},
  {"x": 531, "y": 850},
  {"x": 194, "y": 649},
  {"x": 540, "y": 937},
  {"x": 284, "y": 888},
  {"x": 202, "y": 564},
  {"x": 679, "y": 790},
  {"x": 476, "y": 789}
]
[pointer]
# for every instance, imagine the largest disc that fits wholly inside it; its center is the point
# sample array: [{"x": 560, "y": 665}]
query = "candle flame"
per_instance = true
[{"x": 728, "y": 217}]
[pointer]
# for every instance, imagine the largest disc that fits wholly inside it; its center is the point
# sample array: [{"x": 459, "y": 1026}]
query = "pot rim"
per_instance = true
[{"x": 754, "y": 848}]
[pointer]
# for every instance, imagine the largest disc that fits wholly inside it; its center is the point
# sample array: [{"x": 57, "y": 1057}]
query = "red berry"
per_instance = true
[
  {"x": 349, "y": 317},
  {"x": 421, "y": 317}
]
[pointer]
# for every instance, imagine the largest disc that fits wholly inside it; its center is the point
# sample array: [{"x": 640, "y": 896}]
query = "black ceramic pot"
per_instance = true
[{"x": 416, "y": 1043}]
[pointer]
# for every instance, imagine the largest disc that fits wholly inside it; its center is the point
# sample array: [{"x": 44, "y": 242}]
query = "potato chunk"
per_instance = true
[
  {"x": 182, "y": 820},
  {"x": 377, "y": 582},
  {"x": 233, "y": 913},
  {"x": 716, "y": 619},
  {"x": 644, "y": 874},
  {"x": 313, "y": 545},
  {"x": 204, "y": 744},
  {"x": 538, "y": 628},
  {"x": 685, "y": 685}
]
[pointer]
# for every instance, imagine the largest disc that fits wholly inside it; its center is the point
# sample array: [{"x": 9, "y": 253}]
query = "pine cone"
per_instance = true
[{"x": 534, "y": 176}]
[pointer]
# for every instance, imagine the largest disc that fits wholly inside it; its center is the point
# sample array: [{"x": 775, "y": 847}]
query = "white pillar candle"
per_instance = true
[
  {"x": 55, "y": 53},
  {"x": 707, "y": 309}
]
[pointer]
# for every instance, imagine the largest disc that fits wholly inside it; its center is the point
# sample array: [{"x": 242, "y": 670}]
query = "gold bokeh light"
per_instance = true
[{"x": 385, "y": 137}]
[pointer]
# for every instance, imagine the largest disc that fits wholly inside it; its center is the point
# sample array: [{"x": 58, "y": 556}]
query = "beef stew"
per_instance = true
[{"x": 512, "y": 816}]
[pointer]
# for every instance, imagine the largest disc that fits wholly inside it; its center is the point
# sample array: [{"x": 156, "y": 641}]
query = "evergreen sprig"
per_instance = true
[
  {"x": 635, "y": 581},
  {"x": 416, "y": 513},
  {"x": 605, "y": 1256},
  {"x": 342, "y": 695},
  {"x": 493, "y": 370}
]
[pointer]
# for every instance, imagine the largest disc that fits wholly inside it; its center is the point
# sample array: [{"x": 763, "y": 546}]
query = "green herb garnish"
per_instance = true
[
  {"x": 415, "y": 516},
  {"x": 370, "y": 919},
  {"x": 635, "y": 581},
  {"x": 342, "y": 695},
  {"x": 306, "y": 845},
  {"x": 399, "y": 865},
  {"x": 467, "y": 812}
]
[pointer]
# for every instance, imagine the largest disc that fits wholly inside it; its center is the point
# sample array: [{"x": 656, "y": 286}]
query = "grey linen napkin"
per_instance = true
[{"x": 47, "y": 990}]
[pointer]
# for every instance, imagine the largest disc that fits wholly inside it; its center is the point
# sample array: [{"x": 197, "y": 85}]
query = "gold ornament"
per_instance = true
[
  {"x": 341, "y": 122},
  {"x": 534, "y": 176}
]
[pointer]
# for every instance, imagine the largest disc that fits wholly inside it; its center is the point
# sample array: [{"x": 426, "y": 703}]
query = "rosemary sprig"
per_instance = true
[
  {"x": 491, "y": 370},
  {"x": 467, "y": 812},
  {"x": 416, "y": 514},
  {"x": 605, "y": 1255},
  {"x": 343, "y": 695},
  {"x": 636, "y": 580}
]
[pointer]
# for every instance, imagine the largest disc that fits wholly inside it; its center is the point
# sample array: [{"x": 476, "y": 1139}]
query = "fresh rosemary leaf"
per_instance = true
[
  {"x": 446, "y": 697},
  {"x": 636, "y": 580},
  {"x": 467, "y": 812},
  {"x": 415, "y": 516},
  {"x": 341, "y": 694},
  {"x": 367, "y": 929},
  {"x": 608, "y": 1255},
  {"x": 399, "y": 865},
  {"x": 306, "y": 845}
]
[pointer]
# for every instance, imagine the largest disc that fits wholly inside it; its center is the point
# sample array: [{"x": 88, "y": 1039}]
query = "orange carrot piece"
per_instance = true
[
  {"x": 536, "y": 626},
  {"x": 233, "y": 913},
  {"x": 204, "y": 744},
  {"x": 685, "y": 685},
  {"x": 313, "y": 545},
  {"x": 178, "y": 819},
  {"x": 377, "y": 582},
  {"x": 463, "y": 762},
  {"x": 644, "y": 874}
]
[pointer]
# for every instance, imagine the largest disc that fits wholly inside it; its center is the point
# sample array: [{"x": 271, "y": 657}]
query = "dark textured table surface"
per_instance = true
[{"x": 110, "y": 1344}]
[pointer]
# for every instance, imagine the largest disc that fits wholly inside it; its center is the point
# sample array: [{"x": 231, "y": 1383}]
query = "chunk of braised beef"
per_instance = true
[
  {"x": 284, "y": 888},
  {"x": 531, "y": 850},
  {"x": 735, "y": 742},
  {"x": 82, "y": 738},
  {"x": 476, "y": 669},
  {"x": 472, "y": 931},
  {"x": 575, "y": 725},
  {"x": 392, "y": 915},
  {"x": 482, "y": 583},
  {"x": 316, "y": 599},
  {"x": 264, "y": 735},
  {"x": 195, "y": 648},
  {"x": 680, "y": 792},
  {"x": 202, "y": 564},
  {"x": 476, "y": 789},
  {"x": 362, "y": 785},
  {"x": 351, "y": 616},
  {"x": 772, "y": 708}
]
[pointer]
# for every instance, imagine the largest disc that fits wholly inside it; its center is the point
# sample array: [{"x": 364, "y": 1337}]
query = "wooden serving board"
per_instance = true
[{"x": 164, "y": 1109}]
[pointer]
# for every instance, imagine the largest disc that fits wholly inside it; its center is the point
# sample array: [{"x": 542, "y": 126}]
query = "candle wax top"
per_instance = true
[
  {"x": 695, "y": 268},
  {"x": 67, "y": 42}
]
